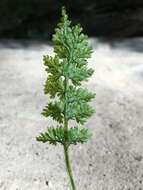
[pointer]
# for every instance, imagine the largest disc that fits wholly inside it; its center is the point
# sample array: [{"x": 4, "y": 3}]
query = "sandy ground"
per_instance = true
[{"x": 112, "y": 160}]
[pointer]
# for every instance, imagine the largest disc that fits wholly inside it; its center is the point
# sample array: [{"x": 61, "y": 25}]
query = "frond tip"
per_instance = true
[{"x": 57, "y": 135}]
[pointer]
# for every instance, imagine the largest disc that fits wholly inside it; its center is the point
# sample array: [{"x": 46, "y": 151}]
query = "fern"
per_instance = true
[{"x": 66, "y": 70}]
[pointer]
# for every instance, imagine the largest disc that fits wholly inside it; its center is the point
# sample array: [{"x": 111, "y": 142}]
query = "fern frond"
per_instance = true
[{"x": 57, "y": 135}]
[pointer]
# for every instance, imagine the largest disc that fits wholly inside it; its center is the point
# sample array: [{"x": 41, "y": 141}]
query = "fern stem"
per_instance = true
[
  {"x": 66, "y": 147},
  {"x": 68, "y": 167}
]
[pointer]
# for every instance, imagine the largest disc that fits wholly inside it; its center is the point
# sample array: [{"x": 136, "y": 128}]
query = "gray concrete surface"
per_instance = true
[{"x": 112, "y": 160}]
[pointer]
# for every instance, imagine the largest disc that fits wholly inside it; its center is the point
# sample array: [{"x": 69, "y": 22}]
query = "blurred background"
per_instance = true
[
  {"x": 104, "y": 18},
  {"x": 113, "y": 158}
]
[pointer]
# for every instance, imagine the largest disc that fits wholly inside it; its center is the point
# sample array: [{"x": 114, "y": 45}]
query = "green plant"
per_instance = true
[{"x": 66, "y": 70}]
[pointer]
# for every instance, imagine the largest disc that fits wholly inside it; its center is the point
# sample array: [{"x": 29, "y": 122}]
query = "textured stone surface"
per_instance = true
[{"x": 112, "y": 160}]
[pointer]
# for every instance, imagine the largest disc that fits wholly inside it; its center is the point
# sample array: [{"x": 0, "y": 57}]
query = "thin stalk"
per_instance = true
[
  {"x": 68, "y": 167},
  {"x": 66, "y": 147}
]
